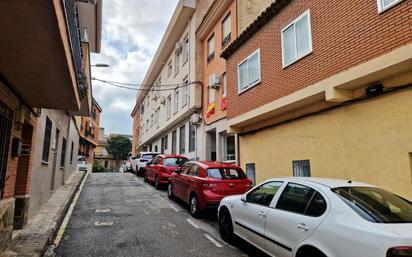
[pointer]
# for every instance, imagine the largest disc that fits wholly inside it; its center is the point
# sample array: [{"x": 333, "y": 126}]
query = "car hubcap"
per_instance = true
[{"x": 193, "y": 205}]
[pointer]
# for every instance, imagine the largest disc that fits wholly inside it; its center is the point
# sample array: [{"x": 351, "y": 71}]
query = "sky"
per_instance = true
[{"x": 132, "y": 30}]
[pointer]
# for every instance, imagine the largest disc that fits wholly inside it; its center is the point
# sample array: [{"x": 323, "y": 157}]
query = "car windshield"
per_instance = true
[
  {"x": 148, "y": 156},
  {"x": 376, "y": 203},
  {"x": 175, "y": 161},
  {"x": 226, "y": 173}
]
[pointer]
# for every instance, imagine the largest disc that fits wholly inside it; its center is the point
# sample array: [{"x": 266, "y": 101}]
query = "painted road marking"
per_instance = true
[
  {"x": 174, "y": 207},
  {"x": 103, "y": 223},
  {"x": 192, "y": 223},
  {"x": 102, "y": 210},
  {"x": 63, "y": 226},
  {"x": 211, "y": 239}
]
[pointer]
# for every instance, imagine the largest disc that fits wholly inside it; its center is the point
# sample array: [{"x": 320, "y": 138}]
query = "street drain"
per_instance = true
[
  {"x": 102, "y": 210},
  {"x": 103, "y": 224}
]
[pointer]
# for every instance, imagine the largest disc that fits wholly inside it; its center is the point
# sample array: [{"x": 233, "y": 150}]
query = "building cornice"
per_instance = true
[{"x": 212, "y": 16}]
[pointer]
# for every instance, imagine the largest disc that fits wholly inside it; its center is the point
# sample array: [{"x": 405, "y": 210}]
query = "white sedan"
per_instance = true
[{"x": 314, "y": 217}]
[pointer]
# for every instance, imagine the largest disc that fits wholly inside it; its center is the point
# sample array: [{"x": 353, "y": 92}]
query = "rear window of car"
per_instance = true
[
  {"x": 376, "y": 204},
  {"x": 175, "y": 161},
  {"x": 81, "y": 159},
  {"x": 225, "y": 173},
  {"x": 148, "y": 156}
]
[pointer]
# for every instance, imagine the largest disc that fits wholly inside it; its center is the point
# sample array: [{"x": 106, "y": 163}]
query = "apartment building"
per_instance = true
[
  {"x": 322, "y": 88},
  {"x": 169, "y": 104},
  {"x": 37, "y": 77},
  {"x": 217, "y": 29}
]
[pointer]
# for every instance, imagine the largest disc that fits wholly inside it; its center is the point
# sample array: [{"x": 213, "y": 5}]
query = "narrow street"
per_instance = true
[{"x": 120, "y": 215}]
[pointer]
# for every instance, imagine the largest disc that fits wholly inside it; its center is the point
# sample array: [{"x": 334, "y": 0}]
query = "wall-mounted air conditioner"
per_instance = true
[
  {"x": 196, "y": 119},
  {"x": 214, "y": 81}
]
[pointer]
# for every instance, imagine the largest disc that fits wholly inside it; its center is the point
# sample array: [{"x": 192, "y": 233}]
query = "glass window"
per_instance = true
[
  {"x": 174, "y": 161},
  {"x": 46, "y": 141},
  {"x": 193, "y": 170},
  {"x": 211, "y": 95},
  {"x": 386, "y": 4},
  {"x": 317, "y": 206},
  {"x": 186, "y": 50},
  {"x": 148, "y": 156},
  {"x": 296, "y": 39},
  {"x": 156, "y": 160},
  {"x": 169, "y": 69},
  {"x": 186, "y": 93},
  {"x": 226, "y": 28},
  {"x": 169, "y": 106},
  {"x": 182, "y": 139},
  {"x": 71, "y": 152},
  {"x": 223, "y": 173},
  {"x": 380, "y": 205},
  {"x": 176, "y": 100},
  {"x": 249, "y": 71},
  {"x": 229, "y": 147},
  {"x": 301, "y": 168},
  {"x": 192, "y": 137},
  {"x": 295, "y": 198},
  {"x": 174, "y": 144},
  {"x": 264, "y": 194},
  {"x": 224, "y": 93},
  {"x": 211, "y": 45},
  {"x": 63, "y": 153}
]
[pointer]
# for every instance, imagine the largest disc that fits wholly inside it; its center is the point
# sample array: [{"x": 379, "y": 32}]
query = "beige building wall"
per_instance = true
[
  {"x": 370, "y": 141},
  {"x": 249, "y": 10}
]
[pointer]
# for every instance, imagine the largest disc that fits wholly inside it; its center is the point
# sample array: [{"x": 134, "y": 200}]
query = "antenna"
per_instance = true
[{"x": 350, "y": 180}]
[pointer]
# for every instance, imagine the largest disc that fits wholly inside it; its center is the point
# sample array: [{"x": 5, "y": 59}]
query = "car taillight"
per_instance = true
[{"x": 400, "y": 251}]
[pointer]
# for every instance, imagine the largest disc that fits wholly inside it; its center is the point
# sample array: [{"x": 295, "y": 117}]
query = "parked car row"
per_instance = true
[{"x": 290, "y": 217}]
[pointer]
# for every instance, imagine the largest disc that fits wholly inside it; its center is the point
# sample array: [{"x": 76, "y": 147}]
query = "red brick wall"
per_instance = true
[{"x": 344, "y": 34}]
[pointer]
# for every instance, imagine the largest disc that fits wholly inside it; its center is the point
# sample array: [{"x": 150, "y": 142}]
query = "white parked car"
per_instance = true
[
  {"x": 140, "y": 160},
  {"x": 81, "y": 163},
  {"x": 314, "y": 217}
]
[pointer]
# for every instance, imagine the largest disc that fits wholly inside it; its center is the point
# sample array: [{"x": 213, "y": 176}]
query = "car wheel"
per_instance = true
[
  {"x": 157, "y": 184},
  {"x": 226, "y": 226},
  {"x": 194, "y": 207},
  {"x": 170, "y": 191}
]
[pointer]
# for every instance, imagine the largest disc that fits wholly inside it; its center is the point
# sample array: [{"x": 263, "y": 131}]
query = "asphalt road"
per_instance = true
[{"x": 117, "y": 214}]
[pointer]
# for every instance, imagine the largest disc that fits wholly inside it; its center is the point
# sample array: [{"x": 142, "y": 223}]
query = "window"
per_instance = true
[
  {"x": 63, "y": 153},
  {"x": 229, "y": 147},
  {"x": 186, "y": 50},
  {"x": 249, "y": 72},
  {"x": 186, "y": 92},
  {"x": 169, "y": 69},
  {"x": 174, "y": 161},
  {"x": 177, "y": 63},
  {"x": 193, "y": 170},
  {"x": 384, "y": 5},
  {"x": 226, "y": 173},
  {"x": 264, "y": 194},
  {"x": 211, "y": 48},
  {"x": 164, "y": 143},
  {"x": 169, "y": 107},
  {"x": 142, "y": 109},
  {"x": 301, "y": 168},
  {"x": 155, "y": 148},
  {"x": 296, "y": 40},
  {"x": 211, "y": 95},
  {"x": 295, "y": 198},
  {"x": 376, "y": 204},
  {"x": 227, "y": 30},
  {"x": 71, "y": 152},
  {"x": 176, "y": 100},
  {"x": 224, "y": 91},
  {"x": 46, "y": 140},
  {"x": 174, "y": 135},
  {"x": 182, "y": 141},
  {"x": 6, "y": 121},
  {"x": 192, "y": 137}
]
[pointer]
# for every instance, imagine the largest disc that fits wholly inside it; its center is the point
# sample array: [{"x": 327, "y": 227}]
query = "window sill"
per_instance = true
[
  {"x": 249, "y": 87},
  {"x": 284, "y": 66},
  {"x": 382, "y": 10},
  {"x": 45, "y": 163}
]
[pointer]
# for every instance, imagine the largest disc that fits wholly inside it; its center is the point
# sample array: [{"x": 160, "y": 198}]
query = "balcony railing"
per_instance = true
[{"x": 74, "y": 31}]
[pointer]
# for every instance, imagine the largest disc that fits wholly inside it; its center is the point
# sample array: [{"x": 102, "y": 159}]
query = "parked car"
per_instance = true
[
  {"x": 128, "y": 165},
  {"x": 314, "y": 217},
  {"x": 202, "y": 184},
  {"x": 161, "y": 167},
  {"x": 81, "y": 163},
  {"x": 139, "y": 162}
]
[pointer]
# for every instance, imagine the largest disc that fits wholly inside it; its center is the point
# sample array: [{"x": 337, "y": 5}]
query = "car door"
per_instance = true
[
  {"x": 151, "y": 168},
  {"x": 299, "y": 211},
  {"x": 250, "y": 216},
  {"x": 178, "y": 181},
  {"x": 188, "y": 179}
]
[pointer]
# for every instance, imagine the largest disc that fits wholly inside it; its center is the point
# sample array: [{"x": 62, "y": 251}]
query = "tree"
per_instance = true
[{"x": 119, "y": 147}]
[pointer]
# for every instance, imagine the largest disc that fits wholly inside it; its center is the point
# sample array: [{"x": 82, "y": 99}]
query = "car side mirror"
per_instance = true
[{"x": 243, "y": 198}]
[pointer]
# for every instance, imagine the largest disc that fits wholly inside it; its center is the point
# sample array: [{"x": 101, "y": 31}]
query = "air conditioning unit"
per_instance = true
[
  {"x": 163, "y": 100},
  {"x": 178, "y": 47},
  {"x": 196, "y": 119},
  {"x": 214, "y": 81}
]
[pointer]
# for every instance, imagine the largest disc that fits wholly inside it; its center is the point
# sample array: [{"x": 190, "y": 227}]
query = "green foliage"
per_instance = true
[
  {"x": 119, "y": 147},
  {"x": 97, "y": 167}
]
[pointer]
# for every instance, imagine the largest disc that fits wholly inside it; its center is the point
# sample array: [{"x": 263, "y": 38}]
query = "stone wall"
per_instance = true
[{"x": 6, "y": 222}]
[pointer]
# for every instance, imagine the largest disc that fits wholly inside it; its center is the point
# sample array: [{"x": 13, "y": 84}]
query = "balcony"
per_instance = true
[{"x": 41, "y": 56}]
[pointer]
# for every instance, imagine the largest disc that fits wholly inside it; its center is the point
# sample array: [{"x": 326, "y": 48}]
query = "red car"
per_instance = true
[
  {"x": 202, "y": 184},
  {"x": 159, "y": 169}
]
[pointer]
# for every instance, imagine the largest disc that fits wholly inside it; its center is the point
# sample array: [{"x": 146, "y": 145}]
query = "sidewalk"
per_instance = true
[{"x": 34, "y": 239}]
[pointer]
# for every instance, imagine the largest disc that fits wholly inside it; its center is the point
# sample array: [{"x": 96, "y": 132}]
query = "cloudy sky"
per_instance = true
[{"x": 132, "y": 30}]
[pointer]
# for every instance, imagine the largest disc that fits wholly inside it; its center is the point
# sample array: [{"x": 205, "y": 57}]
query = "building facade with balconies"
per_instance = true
[
  {"x": 170, "y": 102},
  {"x": 315, "y": 94}
]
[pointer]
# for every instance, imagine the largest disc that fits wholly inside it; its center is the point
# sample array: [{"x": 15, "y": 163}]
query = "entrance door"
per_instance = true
[
  {"x": 54, "y": 167},
  {"x": 6, "y": 117}
]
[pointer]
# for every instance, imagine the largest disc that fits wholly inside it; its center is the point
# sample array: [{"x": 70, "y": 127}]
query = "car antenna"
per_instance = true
[{"x": 350, "y": 181}]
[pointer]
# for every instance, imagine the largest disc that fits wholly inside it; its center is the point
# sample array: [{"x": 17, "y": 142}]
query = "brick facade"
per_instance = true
[{"x": 344, "y": 34}]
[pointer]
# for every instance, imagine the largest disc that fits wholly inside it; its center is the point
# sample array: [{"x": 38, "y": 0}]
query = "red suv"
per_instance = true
[
  {"x": 161, "y": 167},
  {"x": 202, "y": 184}
]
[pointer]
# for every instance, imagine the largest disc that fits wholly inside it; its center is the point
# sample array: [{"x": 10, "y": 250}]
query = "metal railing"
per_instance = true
[{"x": 74, "y": 31}]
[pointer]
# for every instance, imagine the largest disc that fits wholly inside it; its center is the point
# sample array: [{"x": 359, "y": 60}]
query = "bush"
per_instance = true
[{"x": 97, "y": 167}]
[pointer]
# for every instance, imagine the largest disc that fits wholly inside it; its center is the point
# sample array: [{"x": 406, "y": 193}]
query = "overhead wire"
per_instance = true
[{"x": 141, "y": 87}]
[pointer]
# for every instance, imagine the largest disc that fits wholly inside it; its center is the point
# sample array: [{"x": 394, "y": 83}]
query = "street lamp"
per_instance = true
[{"x": 100, "y": 65}]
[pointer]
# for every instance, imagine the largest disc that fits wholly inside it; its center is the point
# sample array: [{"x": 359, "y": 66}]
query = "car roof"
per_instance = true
[
  {"x": 328, "y": 182},
  {"x": 172, "y": 156},
  {"x": 149, "y": 153},
  {"x": 213, "y": 164}
]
